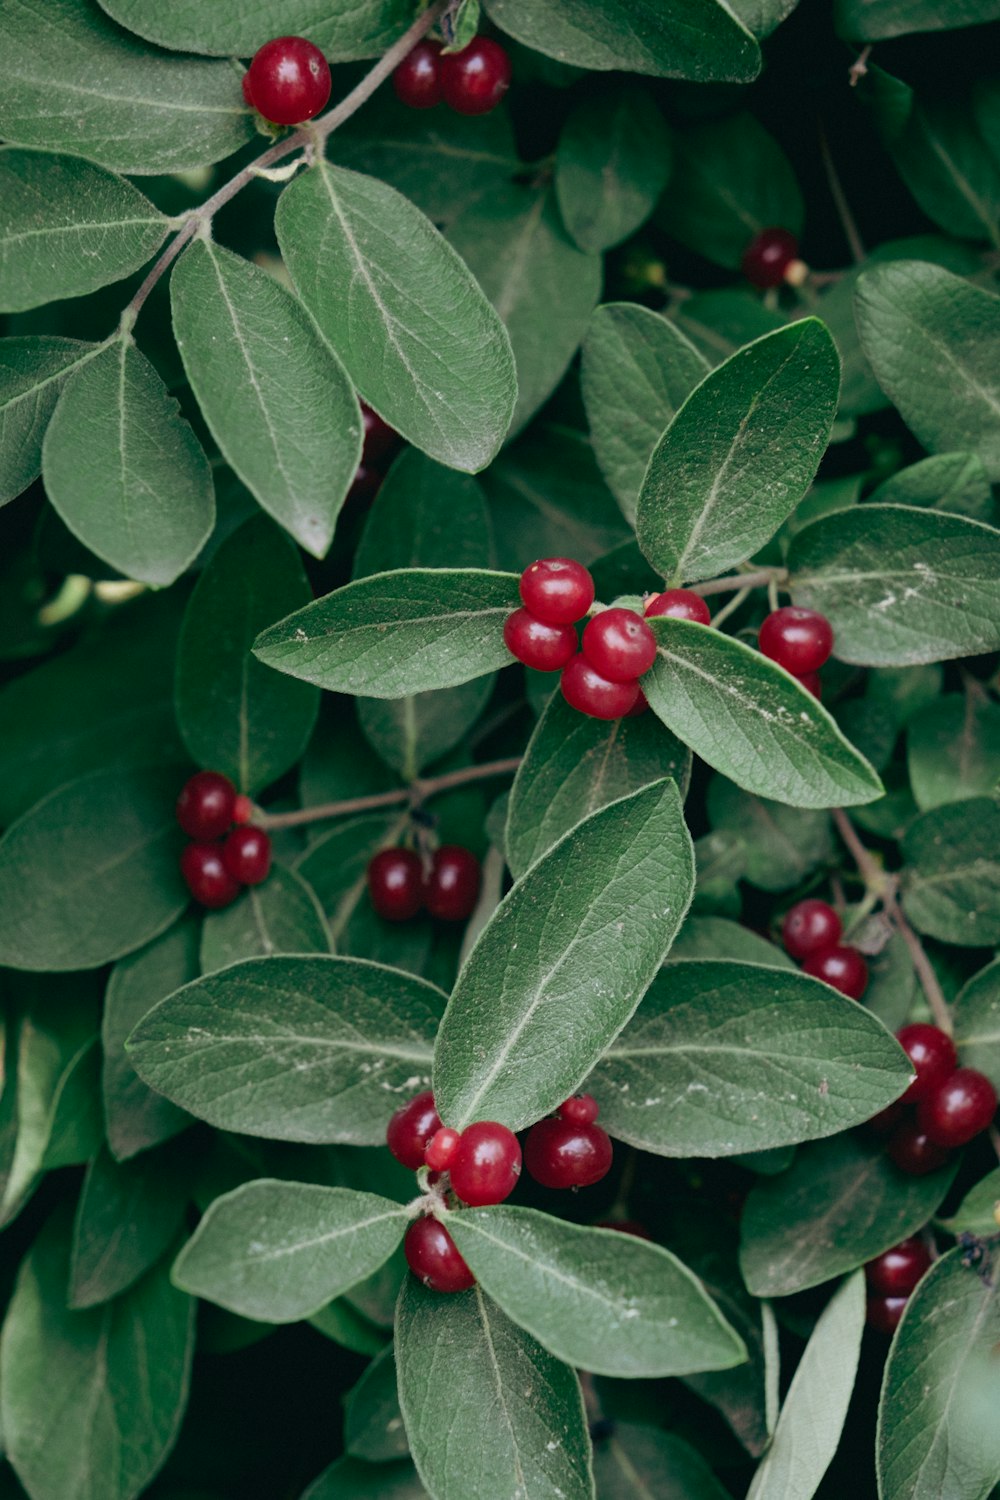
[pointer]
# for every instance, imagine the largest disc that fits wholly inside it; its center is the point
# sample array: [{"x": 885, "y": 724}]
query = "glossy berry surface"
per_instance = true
[
  {"x": 589, "y": 693},
  {"x": 486, "y": 1164},
  {"x": 206, "y": 876},
  {"x": 474, "y": 80},
  {"x": 410, "y": 1129},
  {"x": 913, "y": 1152},
  {"x": 432, "y": 1255},
  {"x": 884, "y": 1313},
  {"x": 288, "y": 80},
  {"x": 957, "y": 1109},
  {"x": 451, "y": 890},
  {"x": 546, "y": 648},
  {"x": 896, "y": 1272},
  {"x": 441, "y": 1149},
  {"x": 932, "y": 1055},
  {"x": 619, "y": 645},
  {"x": 417, "y": 80},
  {"x": 396, "y": 884},
  {"x": 768, "y": 256},
  {"x": 206, "y": 805},
  {"x": 639, "y": 706},
  {"x": 813, "y": 683},
  {"x": 242, "y": 810},
  {"x": 557, "y": 590},
  {"x": 809, "y": 927},
  {"x": 246, "y": 854},
  {"x": 800, "y": 640},
  {"x": 245, "y": 85},
  {"x": 842, "y": 967},
  {"x": 380, "y": 440},
  {"x": 679, "y": 604},
  {"x": 563, "y": 1154},
  {"x": 581, "y": 1109}
]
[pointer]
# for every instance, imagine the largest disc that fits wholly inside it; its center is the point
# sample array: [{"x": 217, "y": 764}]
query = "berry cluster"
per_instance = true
[
  {"x": 800, "y": 640},
  {"x": 891, "y": 1277},
  {"x": 772, "y": 258},
  {"x": 944, "y": 1107},
  {"x": 471, "y": 82},
  {"x": 811, "y": 934},
  {"x": 288, "y": 81},
  {"x": 222, "y": 858},
  {"x": 569, "y": 1150},
  {"x": 400, "y": 886}
]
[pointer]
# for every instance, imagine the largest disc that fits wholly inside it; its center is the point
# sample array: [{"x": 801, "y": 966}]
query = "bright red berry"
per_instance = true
[
  {"x": 619, "y": 645},
  {"x": 800, "y": 640},
  {"x": 557, "y": 590},
  {"x": 206, "y": 876},
  {"x": 441, "y": 1149},
  {"x": 245, "y": 85},
  {"x": 246, "y": 854},
  {"x": 896, "y": 1272},
  {"x": 913, "y": 1152},
  {"x": 679, "y": 604},
  {"x": 451, "y": 890},
  {"x": 563, "y": 1154},
  {"x": 589, "y": 693},
  {"x": 474, "y": 80},
  {"x": 417, "y": 80},
  {"x": 958, "y": 1108},
  {"x": 842, "y": 967},
  {"x": 380, "y": 440},
  {"x": 396, "y": 884},
  {"x": 432, "y": 1255},
  {"x": 809, "y": 927},
  {"x": 581, "y": 1109},
  {"x": 884, "y": 1313},
  {"x": 544, "y": 647},
  {"x": 486, "y": 1164},
  {"x": 768, "y": 256},
  {"x": 206, "y": 805},
  {"x": 289, "y": 80},
  {"x": 813, "y": 683},
  {"x": 413, "y": 1125},
  {"x": 932, "y": 1056},
  {"x": 242, "y": 810}
]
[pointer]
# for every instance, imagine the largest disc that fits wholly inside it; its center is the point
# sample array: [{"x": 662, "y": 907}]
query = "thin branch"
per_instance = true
[
  {"x": 839, "y": 197},
  {"x": 732, "y": 605},
  {"x": 859, "y": 67},
  {"x": 419, "y": 791},
  {"x": 759, "y": 579}
]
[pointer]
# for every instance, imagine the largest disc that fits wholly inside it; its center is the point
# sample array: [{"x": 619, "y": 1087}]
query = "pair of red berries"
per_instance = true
[
  {"x": 891, "y": 1277},
  {"x": 771, "y": 258},
  {"x": 472, "y": 81},
  {"x": 288, "y": 81},
  {"x": 220, "y": 862},
  {"x": 953, "y": 1104},
  {"x": 400, "y": 887},
  {"x": 800, "y": 640},
  {"x": 811, "y": 933}
]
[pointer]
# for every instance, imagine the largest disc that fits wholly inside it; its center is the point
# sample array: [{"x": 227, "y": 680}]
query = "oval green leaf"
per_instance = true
[
  {"x": 951, "y": 878},
  {"x": 280, "y": 916},
  {"x": 344, "y": 30},
  {"x": 32, "y": 374}
]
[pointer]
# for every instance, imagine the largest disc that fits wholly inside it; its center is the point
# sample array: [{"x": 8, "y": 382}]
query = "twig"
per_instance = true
[
  {"x": 839, "y": 197},
  {"x": 757, "y": 580},
  {"x": 859, "y": 67},
  {"x": 731, "y": 605},
  {"x": 417, "y": 792}
]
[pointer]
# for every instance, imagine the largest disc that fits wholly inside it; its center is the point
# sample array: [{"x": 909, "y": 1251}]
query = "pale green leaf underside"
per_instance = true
[{"x": 32, "y": 374}]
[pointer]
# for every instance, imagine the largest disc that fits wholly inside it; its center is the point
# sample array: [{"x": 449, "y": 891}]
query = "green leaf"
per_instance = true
[
  {"x": 717, "y": 938},
  {"x": 32, "y": 373},
  {"x": 575, "y": 765},
  {"x": 750, "y": 720},
  {"x": 464, "y": 1351},
  {"x": 280, "y": 916},
  {"x": 296, "y": 1049},
  {"x": 841, "y": 1203},
  {"x": 63, "y": 908},
  {"x": 643, "y": 1463},
  {"x": 762, "y": 16},
  {"x": 124, "y": 470},
  {"x": 128, "y": 1216},
  {"x": 728, "y": 1057},
  {"x": 705, "y": 42},
  {"x": 953, "y": 749},
  {"x": 740, "y": 454},
  {"x": 342, "y": 29},
  {"x": 568, "y": 954},
  {"x": 781, "y": 845},
  {"x": 350, "y": 1479},
  {"x": 117, "y": 102},
  {"x": 92, "y": 1400},
  {"x": 234, "y": 714},
  {"x": 415, "y": 332},
  {"x": 951, "y": 879},
  {"x": 446, "y": 628},
  {"x": 815, "y": 1408},
  {"x": 914, "y": 317},
  {"x": 954, "y": 482},
  {"x": 612, "y": 164},
  {"x": 610, "y": 1303},
  {"x": 872, "y": 20},
  {"x": 976, "y": 1015},
  {"x": 937, "y": 1433},
  {"x": 373, "y": 1424},
  {"x": 977, "y": 1212},
  {"x": 279, "y": 1251}
]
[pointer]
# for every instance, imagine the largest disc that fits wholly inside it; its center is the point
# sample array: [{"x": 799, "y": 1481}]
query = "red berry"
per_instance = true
[
  {"x": 441, "y": 1149},
  {"x": 913, "y": 1152},
  {"x": 812, "y": 682},
  {"x": 410, "y": 1129},
  {"x": 557, "y": 590},
  {"x": 242, "y": 810},
  {"x": 486, "y": 1164},
  {"x": 932, "y": 1056},
  {"x": 885, "y": 1122},
  {"x": 474, "y": 80},
  {"x": 245, "y": 85},
  {"x": 582, "y": 1109},
  {"x": 544, "y": 647},
  {"x": 800, "y": 640},
  {"x": 380, "y": 440},
  {"x": 809, "y": 927},
  {"x": 563, "y": 1154},
  {"x": 625, "y": 1226},
  {"x": 639, "y": 706},
  {"x": 619, "y": 645},
  {"x": 843, "y": 968},
  {"x": 451, "y": 890},
  {"x": 207, "y": 878},
  {"x": 768, "y": 256},
  {"x": 206, "y": 805},
  {"x": 884, "y": 1313},
  {"x": 957, "y": 1109},
  {"x": 417, "y": 80},
  {"x": 246, "y": 854},
  {"x": 364, "y": 486},
  {"x": 432, "y": 1255},
  {"x": 289, "y": 80},
  {"x": 896, "y": 1272},
  {"x": 587, "y": 691},
  {"x": 396, "y": 884},
  {"x": 679, "y": 604}
]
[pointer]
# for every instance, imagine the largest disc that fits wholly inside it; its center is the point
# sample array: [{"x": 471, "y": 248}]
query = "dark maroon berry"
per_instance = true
[
  {"x": 246, "y": 854},
  {"x": 474, "y": 80},
  {"x": 619, "y": 645},
  {"x": 417, "y": 80},
  {"x": 957, "y": 1109},
  {"x": 639, "y": 706},
  {"x": 289, "y": 80},
  {"x": 580, "y": 1109},
  {"x": 625, "y": 1226},
  {"x": 206, "y": 876},
  {"x": 451, "y": 890},
  {"x": 441, "y": 1149},
  {"x": 396, "y": 884},
  {"x": 896, "y": 1272},
  {"x": 809, "y": 927},
  {"x": 884, "y": 1313},
  {"x": 557, "y": 590},
  {"x": 546, "y": 648},
  {"x": 486, "y": 1164},
  {"x": 242, "y": 810},
  {"x": 589, "y": 693},
  {"x": 433, "y": 1257},
  {"x": 206, "y": 805},
  {"x": 679, "y": 604},
  {"x": 800, "y": 640},
  {"x": 813, "y": 683},
  {"x": 563, "y": 1154},
  {"x": 913, "y": 1152},
  {"x": 842, "y": 967},
  {"x": 380, "y": 440},
  {"x": 411, "y": 1127},
  {"x": 885, "y": 1122},
  {"x": 364, "y": 487},
  {"x": 932, "y": 1056},
  {"x": 768, "y": 256}
]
